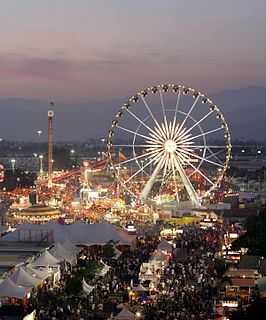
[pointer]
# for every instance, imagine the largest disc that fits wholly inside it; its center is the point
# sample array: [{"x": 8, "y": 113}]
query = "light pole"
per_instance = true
[
  {"x": 13, "y": 161},
  {"x": 41, "y": 164},
  {"x": 50, "y": 146}
]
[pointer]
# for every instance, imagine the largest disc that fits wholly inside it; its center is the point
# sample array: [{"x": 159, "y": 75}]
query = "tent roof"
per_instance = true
[
  {"x": 46, "y": 260},
  {"x": 37, "y": 273},
  {"x": 77, "y": 233},
  {"x": 159, "y": 255},
  {"x": 165, "y": 245},
  {"x": 125, "y": 314},
  {"x": 148, "y": 272},
  {"x": 60, "y": 253},
  {"x": 68, "y": 245},
  {"x": 9, "y": 289},
  {"x": 22, "y": 278},
  {"x": 140, "y": 288}
]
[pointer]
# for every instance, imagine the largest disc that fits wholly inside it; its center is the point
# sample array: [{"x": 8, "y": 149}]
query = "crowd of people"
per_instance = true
[{"x": 185, "y": 289}]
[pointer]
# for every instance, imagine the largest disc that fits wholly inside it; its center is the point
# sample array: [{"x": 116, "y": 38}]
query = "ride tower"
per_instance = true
[{"x": 50, "y": 145}]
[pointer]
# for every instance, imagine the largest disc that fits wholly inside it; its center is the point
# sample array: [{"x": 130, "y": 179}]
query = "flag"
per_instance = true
[{"x": 121, "y": 157}]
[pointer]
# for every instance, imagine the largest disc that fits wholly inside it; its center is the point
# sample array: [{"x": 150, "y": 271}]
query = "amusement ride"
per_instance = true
[{"x": 175, "y": 143}]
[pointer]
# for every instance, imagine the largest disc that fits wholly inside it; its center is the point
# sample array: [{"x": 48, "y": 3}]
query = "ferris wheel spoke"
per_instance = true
[
  {"x": 202, "y": 134},
  {"x": 215, "y": 155},
  {"x": 136, "y": 133},
  {"x": 189, "y": 112},
  {"x": 186, "y": 182},
  {"x": 198, "y": 122},
  {"x": 149, "y": 110},
  {"x": 134, "y": 145},
  {"x": 196, "y": 146},
  {"x": 137, "y": 157},
  {"x": 157, "y": 128},
  {"x": 196, "y": 169},
  {"x": 162, "y": 104},
  {"x": 141, "y": 169},
  {"x": 177, "y": 102},
  {"x": 173, "y": 127},
  {"x": 144, "y": 124},
  {"x": 180, "y": 133},
  {"x": 201, "y": 158},
  {"x": 161, "y": 132},
  {"x": 175, "y": 180}
]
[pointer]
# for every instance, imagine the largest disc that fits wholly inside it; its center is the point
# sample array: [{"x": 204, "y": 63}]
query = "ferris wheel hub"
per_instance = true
[{"x": 170, "y": 146}]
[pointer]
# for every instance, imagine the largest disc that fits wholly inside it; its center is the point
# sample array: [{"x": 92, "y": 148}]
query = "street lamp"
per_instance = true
[
  {"x": 72, "y": 151},
  {"x": 39, "y": 133},
  {"x": 13, "y": 164}
]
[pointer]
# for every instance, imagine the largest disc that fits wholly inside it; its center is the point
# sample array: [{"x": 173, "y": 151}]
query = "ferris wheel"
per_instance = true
[{"x": 174, "y": 141}]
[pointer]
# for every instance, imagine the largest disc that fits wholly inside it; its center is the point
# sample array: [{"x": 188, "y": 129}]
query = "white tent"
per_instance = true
[
  {"x": 77, "y": 233},
  {"x": 22, "y": 278},
  {"x": 60, "y": 253},
  {"x": 86, "y": 287},
  {"x": 165, "y": 245},
  {"x": 104, "y": 270},
  {"x": 140, "y": 288},
  {"x": 39, "y": 274},
  {"x": 117, "y": 253},
  {"x": 148, "y": 275},
  {"x": 159, "y": 255},
  {"x": 10, "y": 290},
  {"x": 46, "y": 260},
  {"x": 68, "y": 245},
  {"x": 125, "y": 314}
]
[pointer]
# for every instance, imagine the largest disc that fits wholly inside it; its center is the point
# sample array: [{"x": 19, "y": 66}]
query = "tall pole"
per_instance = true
[
  {"x": 41, "y": 164},
  {"x": 50, "y": 146}
]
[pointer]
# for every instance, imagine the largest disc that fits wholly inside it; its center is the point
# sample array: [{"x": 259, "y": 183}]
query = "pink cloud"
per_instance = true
[{"x": 40, "y": 68}]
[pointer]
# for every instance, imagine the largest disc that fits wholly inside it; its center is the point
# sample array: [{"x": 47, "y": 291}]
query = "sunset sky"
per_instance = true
[{"x": 78, "y": 50}]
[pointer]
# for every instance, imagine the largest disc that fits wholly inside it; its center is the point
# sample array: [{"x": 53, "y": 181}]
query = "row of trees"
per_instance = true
[{"x": 255, "y": 237}]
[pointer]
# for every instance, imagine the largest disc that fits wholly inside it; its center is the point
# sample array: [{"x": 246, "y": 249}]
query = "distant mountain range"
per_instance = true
[{"x": 244, "y": 109}]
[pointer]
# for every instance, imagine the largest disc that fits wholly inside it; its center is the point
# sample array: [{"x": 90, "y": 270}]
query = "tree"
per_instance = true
[
  {"x": 256, "y": 310},
  {"x": 220, "y": 266},
  {"x": 62, "y": 160},
  {"x": 74, "y": 285},
  {"x": 255, "y": 237},
  {"x": 109, "y": 250}
]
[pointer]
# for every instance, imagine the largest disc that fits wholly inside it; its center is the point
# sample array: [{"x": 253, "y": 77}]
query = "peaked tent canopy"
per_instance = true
[
  {"x": 125, "y": 314},
  {"x": 165, "y": 245},
  {"x": 68, "y": 245},
  {"x": 10, "y": 290},
  {"x": 140, "y": 288},
  {"x": 39, "y": 274},
  {"x": 159, "y": 255},
  {"x": 60, "y": 253},
  {"x": 22, "y": 278},
  {"x": 46, "y": 260}
]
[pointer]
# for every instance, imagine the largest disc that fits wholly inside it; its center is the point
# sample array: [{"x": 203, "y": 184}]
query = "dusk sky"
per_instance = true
[{"x": 78, "y": 50}]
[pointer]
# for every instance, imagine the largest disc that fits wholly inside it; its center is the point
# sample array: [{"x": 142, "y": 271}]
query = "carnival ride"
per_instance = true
[
  {"x": 93, "y": 166},
  {"x": 176, "y": 144}
]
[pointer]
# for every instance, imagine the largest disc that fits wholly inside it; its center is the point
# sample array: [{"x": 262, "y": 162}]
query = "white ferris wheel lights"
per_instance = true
[{"x": 172, "y": 144}]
